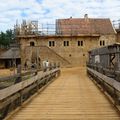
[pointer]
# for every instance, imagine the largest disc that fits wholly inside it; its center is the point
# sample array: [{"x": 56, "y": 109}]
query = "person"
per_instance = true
[
  {"x": 47, "y": 64},
  {"x": 25, "y": 65},
  {"x": 44, "y": 65},
  {"x": 39, "y": 62}
]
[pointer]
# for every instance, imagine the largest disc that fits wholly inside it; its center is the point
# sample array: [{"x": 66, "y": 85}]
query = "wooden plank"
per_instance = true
[{"x": 73, "y": 96}]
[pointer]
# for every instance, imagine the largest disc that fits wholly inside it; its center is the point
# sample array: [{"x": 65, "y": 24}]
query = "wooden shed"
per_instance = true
[{"x": 10, "y": 58}]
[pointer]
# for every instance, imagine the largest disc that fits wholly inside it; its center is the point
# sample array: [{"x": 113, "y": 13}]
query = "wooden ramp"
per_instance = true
[{"x": 73, "y": 96}]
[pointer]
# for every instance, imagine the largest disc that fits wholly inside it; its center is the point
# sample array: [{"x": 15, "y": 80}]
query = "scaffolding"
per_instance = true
[
  {"x": 58, "y": 29},
  {"x": 116, "y": 24}
]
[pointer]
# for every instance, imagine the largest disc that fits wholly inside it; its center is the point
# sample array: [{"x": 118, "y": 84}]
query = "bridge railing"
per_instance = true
[
  {"x": 106, "y": 79},
  {"x": 18, "y": 77},
  {"x": 4, "y": 93},
  {"x": 13, "y": 96}
]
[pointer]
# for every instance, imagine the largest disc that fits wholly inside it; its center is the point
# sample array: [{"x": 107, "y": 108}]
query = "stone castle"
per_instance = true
[{"x": 67, "y": 42}]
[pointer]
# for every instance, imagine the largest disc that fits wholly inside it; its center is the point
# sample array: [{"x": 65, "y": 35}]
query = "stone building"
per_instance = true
[{"x": 70, "y": 42}]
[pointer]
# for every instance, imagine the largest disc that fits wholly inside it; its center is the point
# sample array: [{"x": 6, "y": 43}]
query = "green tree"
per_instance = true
[
  {"x": 2, "y": 38},
  {"x": 6, "y": 37},
  {"x": 9, "y": 36}
]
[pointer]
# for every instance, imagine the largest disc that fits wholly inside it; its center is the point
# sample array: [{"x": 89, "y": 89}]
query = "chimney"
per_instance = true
[{"x": 86, "y": 16}]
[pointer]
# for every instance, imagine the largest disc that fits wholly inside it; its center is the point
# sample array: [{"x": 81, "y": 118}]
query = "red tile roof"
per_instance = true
[{"x": 76, "y": 26}]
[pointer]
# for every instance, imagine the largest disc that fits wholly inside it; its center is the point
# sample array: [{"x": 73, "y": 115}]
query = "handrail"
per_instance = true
[
  {"x": 110, "y": 81},
  {"x": 6, "y": 92}
]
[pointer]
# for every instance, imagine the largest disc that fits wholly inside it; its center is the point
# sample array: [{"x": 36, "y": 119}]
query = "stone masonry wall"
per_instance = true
[{"x": 76, "y": 55}]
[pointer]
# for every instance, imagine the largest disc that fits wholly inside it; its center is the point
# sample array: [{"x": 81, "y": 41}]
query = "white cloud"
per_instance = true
[{"x": 49, "y": 10}]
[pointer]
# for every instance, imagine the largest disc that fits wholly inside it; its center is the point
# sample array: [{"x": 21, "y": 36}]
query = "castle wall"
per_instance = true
[{"x": 74, "y": 54}]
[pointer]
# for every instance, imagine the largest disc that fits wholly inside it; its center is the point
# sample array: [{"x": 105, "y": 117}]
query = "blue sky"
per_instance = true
[{"x": 46, "y": 11}]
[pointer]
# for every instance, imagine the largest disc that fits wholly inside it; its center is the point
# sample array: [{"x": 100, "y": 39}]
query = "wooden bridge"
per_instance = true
[{"x": 73, "y": 96}]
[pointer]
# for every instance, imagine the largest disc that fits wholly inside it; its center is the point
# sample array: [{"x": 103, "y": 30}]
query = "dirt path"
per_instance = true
[
  {"x": 5, "y": 72},
  {"x": 73, "y": 96}
]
